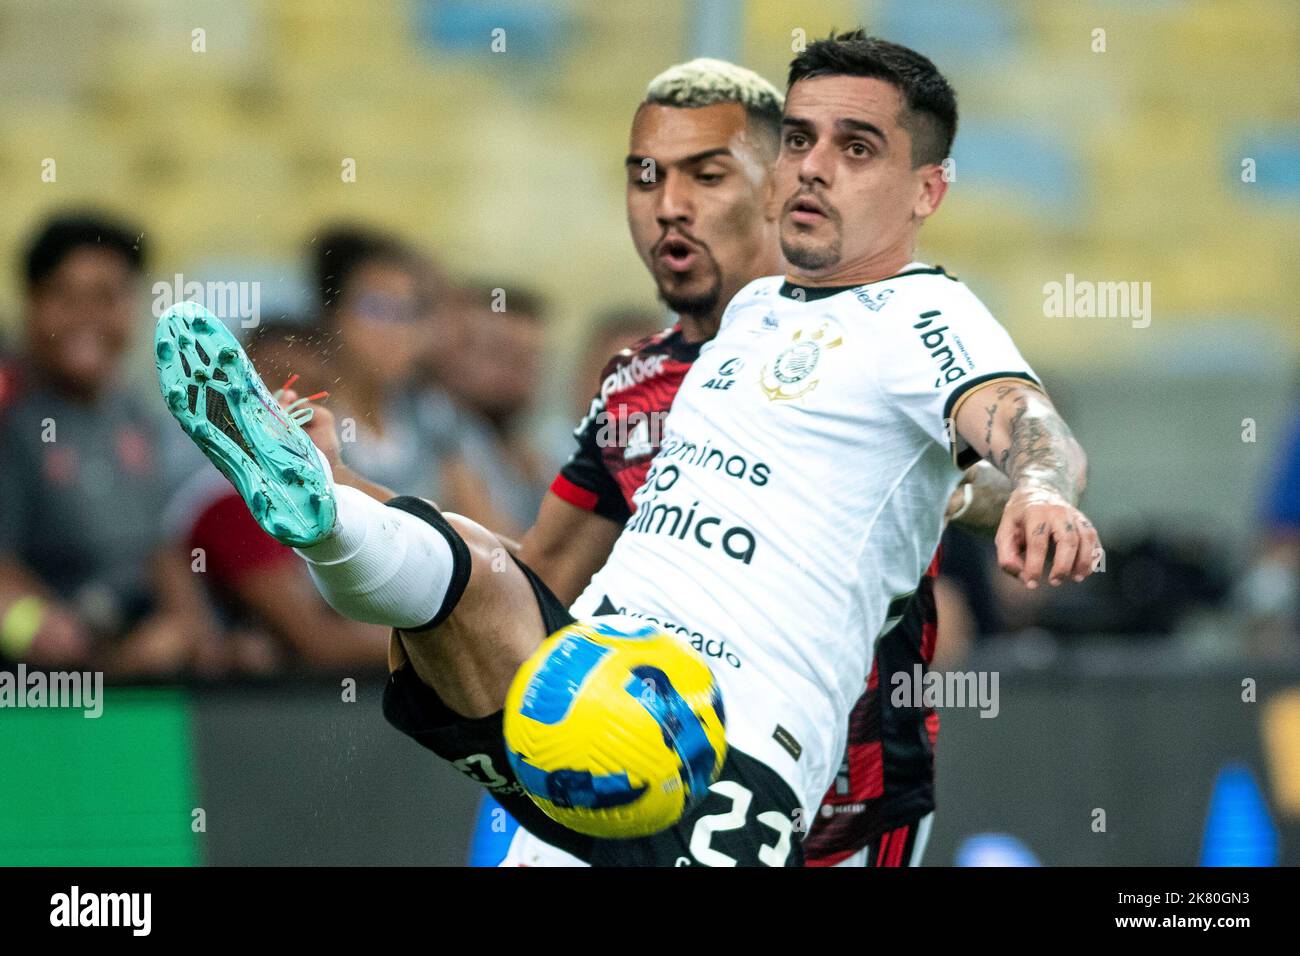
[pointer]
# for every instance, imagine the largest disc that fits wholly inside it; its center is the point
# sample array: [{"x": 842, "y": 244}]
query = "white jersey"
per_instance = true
[{"x": 799, "y": 492}]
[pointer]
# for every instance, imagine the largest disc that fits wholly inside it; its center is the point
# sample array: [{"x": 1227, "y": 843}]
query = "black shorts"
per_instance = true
[{"x": 749, "y": 817}]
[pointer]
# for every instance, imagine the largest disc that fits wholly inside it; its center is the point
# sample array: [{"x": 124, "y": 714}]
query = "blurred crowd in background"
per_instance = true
[
  {"x": 460, "y": 330},
  {"x": 122, "y": 549}
]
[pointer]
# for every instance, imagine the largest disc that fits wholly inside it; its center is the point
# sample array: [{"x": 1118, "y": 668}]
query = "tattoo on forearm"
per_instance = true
[
  {"x": 1042, "y": 450},
  {"x": 1002, "y": 392}
]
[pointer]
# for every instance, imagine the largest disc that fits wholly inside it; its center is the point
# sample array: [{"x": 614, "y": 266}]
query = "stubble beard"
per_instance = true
[
  {"x": 811, "y": 258},
  {"x": 702, "y": 304}
]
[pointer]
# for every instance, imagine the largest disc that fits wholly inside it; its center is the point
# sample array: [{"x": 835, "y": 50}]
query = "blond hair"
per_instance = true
[{"x": 706, "y": 82}]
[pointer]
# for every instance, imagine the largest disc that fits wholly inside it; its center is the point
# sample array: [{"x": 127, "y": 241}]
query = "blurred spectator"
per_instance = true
[
  {"x": 1154, "y": 579},
  {"x": 273, "y": 612},
  {"x": 497, "y": 382},
  {"x": 82, "y": 582},
  {"x": 1269, "y": 593},
  {"x": 373, "y": 299},
  {"x": 442, "y": 324}
]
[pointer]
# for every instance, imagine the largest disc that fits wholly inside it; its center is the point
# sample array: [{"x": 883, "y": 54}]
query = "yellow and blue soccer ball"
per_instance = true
[{"x": 615, "y": 728}]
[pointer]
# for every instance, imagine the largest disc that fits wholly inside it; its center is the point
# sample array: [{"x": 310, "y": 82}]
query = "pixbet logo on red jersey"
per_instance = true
[{"x": 632, "y": 373}]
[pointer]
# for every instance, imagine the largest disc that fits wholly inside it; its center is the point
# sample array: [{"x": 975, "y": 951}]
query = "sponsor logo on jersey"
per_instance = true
[
  {"x": 654, "y": 515},
  {"x": 937, "y": 343},
  {"x": 726, "y": 376},
  {"x": 705, "y": 457},
  {"x": 708, "y": 646},
  {"x": 875, "y": 301},
  {"x": 632, "y": 373},
  {"x": 789, "y": 375}
]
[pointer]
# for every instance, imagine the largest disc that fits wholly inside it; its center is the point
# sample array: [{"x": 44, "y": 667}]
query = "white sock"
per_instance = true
[{"x": 382, "y": 565}]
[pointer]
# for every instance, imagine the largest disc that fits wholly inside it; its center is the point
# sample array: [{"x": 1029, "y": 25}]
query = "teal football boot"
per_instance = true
[{"x": 212, "y": 389}]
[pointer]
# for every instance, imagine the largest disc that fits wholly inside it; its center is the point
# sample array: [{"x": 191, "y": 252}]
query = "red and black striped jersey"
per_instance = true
[
  {"x": 622, "y": 429},
  {"x": 887, "y": 778}
]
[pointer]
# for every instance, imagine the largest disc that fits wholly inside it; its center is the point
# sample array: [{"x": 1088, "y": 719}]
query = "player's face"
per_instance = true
[
  {"x": 849, "y": 196},
  {"x": 79, "y": 318},
  {"x": 697, "y": 182}
]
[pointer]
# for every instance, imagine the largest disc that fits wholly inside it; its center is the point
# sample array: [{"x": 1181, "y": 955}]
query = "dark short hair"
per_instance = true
[
  {"x": 339, "y": 252},
  {"x": 65, "y": 233},
  {"x": 930, "y": 105}
]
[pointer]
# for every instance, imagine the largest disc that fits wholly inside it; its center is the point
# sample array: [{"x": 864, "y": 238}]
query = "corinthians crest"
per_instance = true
[{"x": 789, "y": 375}]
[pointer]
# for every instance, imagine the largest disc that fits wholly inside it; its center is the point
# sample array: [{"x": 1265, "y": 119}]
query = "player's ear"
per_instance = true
[{"x": 931, "y": 187}]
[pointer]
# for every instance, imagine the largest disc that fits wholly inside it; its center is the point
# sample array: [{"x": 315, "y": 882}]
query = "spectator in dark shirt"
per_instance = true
[{"x": 82, "y": 581}]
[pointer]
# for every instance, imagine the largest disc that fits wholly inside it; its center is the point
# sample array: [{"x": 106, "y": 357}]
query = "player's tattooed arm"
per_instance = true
[
  {"x": 1039, "y": 447},
  {"x": 1016, "y": 428}
]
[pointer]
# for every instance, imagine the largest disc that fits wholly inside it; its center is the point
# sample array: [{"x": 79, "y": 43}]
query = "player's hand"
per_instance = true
[
  {"x": 1036, "y": 517},
  {"x": 957, "y": 501},
  {"x": 321, "y": 429}
]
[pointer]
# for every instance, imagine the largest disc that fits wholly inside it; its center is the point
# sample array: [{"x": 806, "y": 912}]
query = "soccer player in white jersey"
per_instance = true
[
  {"x": 799, "y": 491},
  {"x": 700, "y": 154}
]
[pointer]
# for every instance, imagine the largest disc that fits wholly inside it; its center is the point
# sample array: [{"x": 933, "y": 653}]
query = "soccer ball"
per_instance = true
[{"x": 615, "y": 728}]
